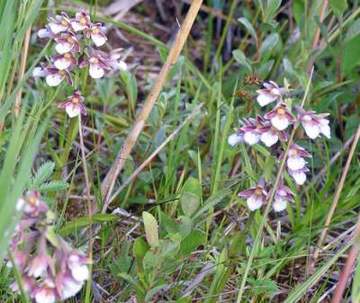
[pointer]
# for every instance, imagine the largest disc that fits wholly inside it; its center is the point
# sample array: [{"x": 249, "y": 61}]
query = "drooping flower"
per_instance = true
[
  {"x": 64, "y": 61},
  {"x": 270, "y": 135},
  {"x": 255, "y": 196},
  {"x": 314, "y": 124},
  {"x": 252, "y": 129},
  {"x": 270, "y": 93},
  {"x": 299, "y": 175},
  {"x": 280, "y": 117},
  {"x": 66, "y": 42},
  {"x": 74, "y": 105},
  {"x": 60, "y": 23},
  {"x": 54, "y": 76},
  {"x": 282, "y": 196},
  {"x": 81, "y": 21},
  {"x": 97, "y": 34},
  {"x": 98, "y": 62},
  {"x": 295, "y": 160}
]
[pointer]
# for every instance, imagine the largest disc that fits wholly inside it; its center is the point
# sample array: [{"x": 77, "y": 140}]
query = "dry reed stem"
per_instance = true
[
  {"x": 335, "y": 200},
  {"x": 24, "y": 56},
  {"x": 109, "y": 181}
]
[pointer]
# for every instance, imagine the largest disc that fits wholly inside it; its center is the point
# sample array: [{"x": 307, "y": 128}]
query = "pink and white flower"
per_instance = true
[
  {"x": 314, "y": 124},
  {"x": 97, "y": 34},
  {"x": 44, "y": 33},
  {"x": 270, "y": 135},
  {"x": 299, "y": 175},
  {"x": 270, "y": 93},
  {"x": 81, "y": 21},
  {"x": 74, "y": 105},
  {"x": 236, "y": 138},
  {"x": 282, "y": 196},
  {"x": 255, "y": 196},
  {"x": 296, "y": 155},
  {"x": 66, "y": 42},
  {"x": 280, "y": 117},
  {"x": 98, "y": 62},
  {"x": 60, "y": 23},
  {"x": 64, "y": 61},
  {"x": 251, "y": 130},
  {"x": 54, "y": 76}
]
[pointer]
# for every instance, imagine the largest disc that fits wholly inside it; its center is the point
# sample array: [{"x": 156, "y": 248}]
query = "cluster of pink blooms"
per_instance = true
[
  {"x": 50, "y": 270},
  {"x": 76, "y": 42},
  {"x": 270, "y": 129}
]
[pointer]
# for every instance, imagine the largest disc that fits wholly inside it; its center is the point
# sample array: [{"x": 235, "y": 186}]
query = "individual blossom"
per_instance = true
[
  {"x": 98, "y": 62},
  {"x": 81, "y": 21},
  {"x": 45, "y": 292},
  {"x": 283, "y": 195},
  {"x": 251, "y": 130},
  {"x": 97, "y": 34},
  {"x": 236, "y": 138},
  {"x": 270, "y": 93},
  {"x": 64, "y": 61},
  {"x": 60, "y": 23},
  {"x": 270, "y": 135},
  {"x": 255, "y": 196},
  {"x": 45, "y": 33},
  {"x": 296, "y": 155},
  {"x": 55, "y": 76},
  {"x": 280, "y": 116},
  {"x": 74, "y": 105},
  {"x": 66, "y": 42},
  {"x": 299, "y": 175},
  {"x": 314, "y": 124}
]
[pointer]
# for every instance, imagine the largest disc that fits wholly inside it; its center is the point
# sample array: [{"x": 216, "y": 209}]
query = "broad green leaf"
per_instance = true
[
  {"x": 191, "y": 196},
  {"x": 151, "y": 229},
  {"x": 351, "y": 58},
  {"x": 271, "y": 8},
  {"x": 191, "y": 242},
  {"x": 248, "y": 26},
  {"x": 240, "y": 58},
  {"x": 353, "y": 31},
  {"x": 269, "y": 45}
]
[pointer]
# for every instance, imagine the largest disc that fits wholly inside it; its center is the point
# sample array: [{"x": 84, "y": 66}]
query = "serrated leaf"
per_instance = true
[
  {"x": 151, "y": 229},
  {"x": 43, "y": 173},
  {"x": 191, "y": 196},
  {"x": 240, "y": 58},
  {"x": 53, "y": 186}
]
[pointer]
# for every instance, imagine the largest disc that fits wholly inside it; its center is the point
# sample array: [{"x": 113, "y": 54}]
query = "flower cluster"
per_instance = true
[
  {"x": 50, "y": 270},
  {"x": 76, "y": 41},
  {"x": 271, "y": 128}
]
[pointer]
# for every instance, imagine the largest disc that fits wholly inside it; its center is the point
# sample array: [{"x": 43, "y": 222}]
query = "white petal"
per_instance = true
[
  {"x": 77, "y": 26},
  {"x": 122, "y": 66},
  {"x": 96, "y": 71},
  {"x": 20, "y": 204},
  {"x": 295, "y": 163},
  {"x": 251, "y": 138},
  {"x": 62, "y": 63},
  {"x": 57, "y": 28},
  {"x": 43, "y": 33},
  {"x": 269, "y": 138},
  {"x": 234, "y": 139},
  {"x": 253, "y": 202},
  {"x": 279, "y": 204},
  {"x": 72, "y": 110},
  {"x": 44, "y": 297},
  {"x": 99, "y": 40},
  {"x": 63, "y": 48},
  {"x": 53, "y": 80},
  {"x": 71, "y": 288},
  {"x": 325, "y": 128},
  {"x": 80, "y": 272},
  {"x": 299, "y": 177},
  {"x": 312, "y": 130},
  {"x": 265, "y": 99},
  {"x": 280, "y": 122},
  {"x": 38, "y": 72}
]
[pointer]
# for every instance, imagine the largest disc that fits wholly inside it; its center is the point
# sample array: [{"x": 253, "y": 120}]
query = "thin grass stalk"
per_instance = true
[{"x": 110, "y": 179}]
